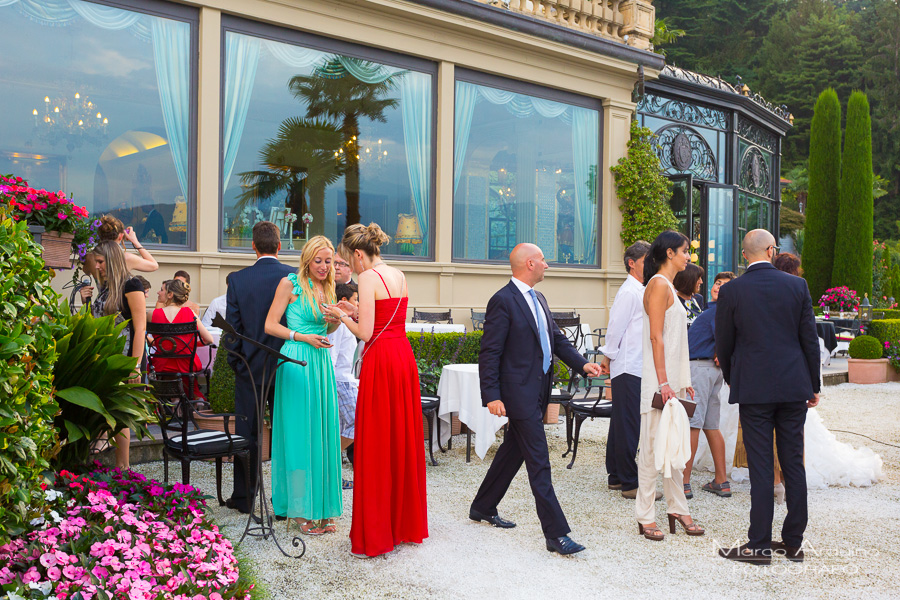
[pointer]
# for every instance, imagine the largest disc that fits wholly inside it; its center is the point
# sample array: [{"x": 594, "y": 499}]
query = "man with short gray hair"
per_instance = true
[{"x": 623, "y": 360}]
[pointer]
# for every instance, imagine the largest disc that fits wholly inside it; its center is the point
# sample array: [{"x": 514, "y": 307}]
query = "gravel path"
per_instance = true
[{"x": 852, "y": 533}]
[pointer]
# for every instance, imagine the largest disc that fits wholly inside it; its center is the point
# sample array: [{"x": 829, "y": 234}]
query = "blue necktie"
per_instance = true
[{"x": 542, "y": 330}]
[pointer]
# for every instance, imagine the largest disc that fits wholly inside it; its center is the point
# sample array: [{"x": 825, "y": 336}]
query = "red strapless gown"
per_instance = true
[{"x": 389, "y": 505}]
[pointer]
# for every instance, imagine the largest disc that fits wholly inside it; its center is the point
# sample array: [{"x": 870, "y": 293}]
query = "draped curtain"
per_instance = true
[
  {"x": 585, "y": 129},
  {"x": 242, "y": 56}
]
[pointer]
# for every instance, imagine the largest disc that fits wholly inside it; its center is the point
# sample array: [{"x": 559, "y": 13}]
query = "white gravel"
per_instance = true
[{"x": 852, "y": 533}]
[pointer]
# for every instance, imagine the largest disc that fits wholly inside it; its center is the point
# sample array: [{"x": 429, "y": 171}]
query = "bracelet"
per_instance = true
[
  {"x": 291, "y": 335},
  {"x": 662, "y": 385},
  {"x": 137, "y": 247}
]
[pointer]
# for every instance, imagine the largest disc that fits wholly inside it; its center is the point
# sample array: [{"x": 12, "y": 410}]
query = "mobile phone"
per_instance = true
[{"x": 326, "y": 342}]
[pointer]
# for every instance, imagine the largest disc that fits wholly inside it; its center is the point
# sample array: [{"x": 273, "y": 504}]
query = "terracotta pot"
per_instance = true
[
  {"x": 217, "y": 423},
  {"x": 57, "y": 249},
  {"x": 551, "y": 415},
  {"x": 878, "y": 370}
]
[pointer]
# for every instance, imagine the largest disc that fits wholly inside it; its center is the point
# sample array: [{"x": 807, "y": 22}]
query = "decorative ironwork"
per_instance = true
[
  {"x": 755, "y": 175},
  {"x": 718, "y": 83},
  {"x": 755, "y": 134},
  {"x": 682, "y": 149},
  {"x": 678, "y": 110}
]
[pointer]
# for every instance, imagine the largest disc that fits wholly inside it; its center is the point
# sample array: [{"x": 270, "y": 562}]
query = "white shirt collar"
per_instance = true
[
  {"x": 523, "y": 287},
  {"x": 757, "y": 262},
  {"x": 633, "y": 280},
  {"x": 266, "y": 256}
]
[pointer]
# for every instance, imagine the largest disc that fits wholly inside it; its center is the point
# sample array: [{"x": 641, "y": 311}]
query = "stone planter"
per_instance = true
[
  {"x": 57, "y": 249},
  {"x": 217, "y": 423},
  {"x": 551, "y": 415},
  {"x": 878, "y": 370}
]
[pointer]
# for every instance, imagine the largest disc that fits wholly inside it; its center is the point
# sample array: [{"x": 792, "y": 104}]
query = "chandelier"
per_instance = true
[
  {"x": 367, "y": 152},
  {"x": 73, "y": 120}
]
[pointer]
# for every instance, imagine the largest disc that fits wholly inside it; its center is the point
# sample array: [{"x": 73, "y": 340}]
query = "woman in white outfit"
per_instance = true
[{"x": 667, "y": 371}]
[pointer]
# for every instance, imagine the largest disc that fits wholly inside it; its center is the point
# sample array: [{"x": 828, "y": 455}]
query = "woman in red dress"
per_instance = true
[
  {"x": 389, "y": 505},
  {"x": 174, "y": 294}
]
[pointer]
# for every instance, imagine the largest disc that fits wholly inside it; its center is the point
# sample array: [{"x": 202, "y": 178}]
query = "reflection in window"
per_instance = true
[
  {"x": 525, "y": 170},
  {"x": 316, "y": 141},
  {"x": 97, "y": 103},
  {"x": 753, "y": 213}
]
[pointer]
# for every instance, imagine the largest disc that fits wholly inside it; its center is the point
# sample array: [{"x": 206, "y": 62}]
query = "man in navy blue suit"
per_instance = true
[
  {"x": 250, "y": 294},
  {"x": 519, "y": 340},
  {"x": 768, "y": 349}
]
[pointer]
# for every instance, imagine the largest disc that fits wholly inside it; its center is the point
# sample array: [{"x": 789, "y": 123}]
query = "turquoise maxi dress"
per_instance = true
[{"x": 306, "y": 444}]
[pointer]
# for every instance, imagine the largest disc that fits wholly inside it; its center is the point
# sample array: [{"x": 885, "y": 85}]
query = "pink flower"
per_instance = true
[
  {"x": 30, "y": 575},
  {"x": 62, "y": 216},
  {"x": 53, "y": 573},
  {"x": 49, "y": 560}
]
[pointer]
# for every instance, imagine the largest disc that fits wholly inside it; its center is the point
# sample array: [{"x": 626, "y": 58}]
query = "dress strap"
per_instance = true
[{"x": 385, "y": 285}]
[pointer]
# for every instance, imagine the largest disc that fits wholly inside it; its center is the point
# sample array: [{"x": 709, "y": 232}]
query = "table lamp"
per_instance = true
[{"x": 408, "y": 233}]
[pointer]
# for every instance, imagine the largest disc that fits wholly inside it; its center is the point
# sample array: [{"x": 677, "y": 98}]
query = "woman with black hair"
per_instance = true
[
  {"x": 687, "y": 285},
  {"x": 666, "y": 372}
]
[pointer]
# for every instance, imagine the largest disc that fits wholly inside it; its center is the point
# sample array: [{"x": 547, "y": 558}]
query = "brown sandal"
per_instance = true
[
  {"x": 651, "y": 532},
  {"x": 692, "y": 529}
]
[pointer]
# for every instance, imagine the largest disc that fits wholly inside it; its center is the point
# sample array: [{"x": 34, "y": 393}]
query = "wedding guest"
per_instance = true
[
  {"x": 120, "y": 294},
  {"x": 175, "y": 294},
  {"x": 250, "y": 295},
  {"x": 768, "y": 348},
  {"x": 343, "y": 349},
  {"x": 342, "y": 272},
  {"x": 219, "y": 305},
  {"x": 665, "y": 371},
  {"x": 706, "y": 377},
  {"x": 789, "y": 263},
  {"x": 146, "y": 284},
  {"x": 622, "y": 360},
  {"x": 186, "y": 278},
  {"x": 112, "y": 229},
  {"x": 687, "y": 285},
  {"x": 306, "y": 446},
  {"x": 389, "y": 492}
]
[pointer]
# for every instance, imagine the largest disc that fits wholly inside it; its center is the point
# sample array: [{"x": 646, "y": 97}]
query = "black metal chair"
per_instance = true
[
  {"x": 478, "y": 320},
  {"x": 174, "y": 411},
  {"x": 431, "y": 317},
  {"x": 430, "y": 405},
  {"x": 585, "y": 407},
  {"x": 597, "y": 337},
  {"x": 567, "y": 314},
  {"x": 177, "y": 341}
]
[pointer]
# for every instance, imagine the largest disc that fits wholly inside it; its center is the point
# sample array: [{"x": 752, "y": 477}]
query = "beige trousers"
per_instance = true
[{"x": 644, "y": 505}]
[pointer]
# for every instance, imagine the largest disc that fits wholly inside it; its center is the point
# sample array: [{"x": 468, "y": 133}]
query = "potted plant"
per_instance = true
[
  {"x": 49, "y": 215},
  {"x": 866, "y": 364},
  {"x": 838, "y": 301}
]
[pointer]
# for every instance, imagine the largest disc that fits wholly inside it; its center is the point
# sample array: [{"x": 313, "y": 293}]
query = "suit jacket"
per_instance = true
[
  {"x": 510, "y": 360},
  {"x": 250, "y": 295},
  {"x": 766, "y": 337}
]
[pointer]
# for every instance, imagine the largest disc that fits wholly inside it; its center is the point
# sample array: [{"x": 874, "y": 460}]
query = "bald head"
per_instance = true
[
  {"x": 757, "y": 244},
  {"x": 527, "y": 263}
]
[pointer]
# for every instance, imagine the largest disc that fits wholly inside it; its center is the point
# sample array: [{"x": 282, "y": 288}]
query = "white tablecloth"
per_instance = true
[
  {"x": 460, "y": 393},
  {"x": 436, "y": 327},
  {"x": 587, "y": 341},
  {"x": 206, "y": 354}
]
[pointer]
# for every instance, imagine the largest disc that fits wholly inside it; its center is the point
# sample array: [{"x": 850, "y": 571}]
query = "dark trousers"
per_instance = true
[
  {"x": 624, "y": 431},
  {"x": 245, "y": 404},
  {"x": 525, "y": 442},
  {"x": 787, "y": 420}
]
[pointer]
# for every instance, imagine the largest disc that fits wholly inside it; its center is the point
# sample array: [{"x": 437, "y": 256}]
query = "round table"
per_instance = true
[{"x": 460, "y": 392}]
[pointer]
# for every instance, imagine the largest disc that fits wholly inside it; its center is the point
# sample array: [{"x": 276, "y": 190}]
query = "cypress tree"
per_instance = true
[
  {"x": 853, "y": 237},
  {"x": 824, "y": 193}
]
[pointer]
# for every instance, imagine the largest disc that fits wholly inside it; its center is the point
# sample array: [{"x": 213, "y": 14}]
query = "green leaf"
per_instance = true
[{"x": 87, "y": 399}]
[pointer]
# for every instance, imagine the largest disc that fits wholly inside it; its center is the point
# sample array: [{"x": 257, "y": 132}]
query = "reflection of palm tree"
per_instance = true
[
  {"x": 331, "y": 92},
  {"x": 299, "y": 158}
]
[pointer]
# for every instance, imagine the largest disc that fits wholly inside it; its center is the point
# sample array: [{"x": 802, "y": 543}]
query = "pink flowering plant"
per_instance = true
[
  {"x": 840, "y": 298},
  {"x": 111, "y": 534},
  {"x": 51, "y": 210}
]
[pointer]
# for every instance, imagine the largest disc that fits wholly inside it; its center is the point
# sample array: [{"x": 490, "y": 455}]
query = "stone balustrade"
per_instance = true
[{"x": 630, "y": 22}]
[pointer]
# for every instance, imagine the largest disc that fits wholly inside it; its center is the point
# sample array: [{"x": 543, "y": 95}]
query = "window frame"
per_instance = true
[
  {"x": 304, "y": 39},
  {"x": 547, "y": 93}
]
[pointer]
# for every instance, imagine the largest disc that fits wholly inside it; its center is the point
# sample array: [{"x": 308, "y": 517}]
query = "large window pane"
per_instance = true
[
  {"x": 97, "y": 102},
  {"x": 340, "y": 139},
  {"x": 525, "y": 170}
]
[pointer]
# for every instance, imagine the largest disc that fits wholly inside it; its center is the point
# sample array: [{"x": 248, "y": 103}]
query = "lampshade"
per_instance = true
[{"x": 408, "y": 231}]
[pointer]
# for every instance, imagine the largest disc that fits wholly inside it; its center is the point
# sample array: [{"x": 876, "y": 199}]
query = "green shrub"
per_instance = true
[
  {"x": 29, "y": 309},
  {"x": 886, "y": 330},
  {"x": 221, "y": 385},
  {"x": 824, "y": 193},
  {"x": 865, "y": 346},
  {"x": 434, "y": 350},
  {"x": 883, "y": 313},
  {"x": 853, "y": 236},
  {"x": 91, "y": 377}
]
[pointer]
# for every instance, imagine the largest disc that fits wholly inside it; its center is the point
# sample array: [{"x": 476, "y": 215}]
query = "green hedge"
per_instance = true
[
  {"x": 865, "y": 346},
  {"x": 886, "y": 330},
  {"x": 887, "y": 313},
  {"x": 440, "y": 346},
  {"x": 221, "y": 384}
]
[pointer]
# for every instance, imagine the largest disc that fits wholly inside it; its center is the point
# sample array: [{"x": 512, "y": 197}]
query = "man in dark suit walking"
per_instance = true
[
  {"x": 768, "y": 349},
  {"x": 250, "y": 294},
  {"x": 519, "y": 340}
]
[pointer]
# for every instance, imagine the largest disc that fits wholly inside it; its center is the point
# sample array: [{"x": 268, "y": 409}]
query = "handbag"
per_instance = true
[
  {"x": 689, "y": 405},
  {"x": 357, "y": 364}
]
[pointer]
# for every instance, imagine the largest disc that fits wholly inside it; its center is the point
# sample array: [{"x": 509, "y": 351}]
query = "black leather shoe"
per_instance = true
[
  {"x": 789, "y": 552},
  {"x": 564, "y": 545},
  {"x": 747, "y": 555},
  {"x": 232, "y": 504},
  {"x": 280, "y": 518},
  {"x": 494, "y": 520}
]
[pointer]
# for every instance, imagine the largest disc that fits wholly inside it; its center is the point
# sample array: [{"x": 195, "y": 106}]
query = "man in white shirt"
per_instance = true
[
  {"x": 623, "y": 361},
  {"x": 218, "y": 305},
  {"x": 342, "y": 352}
]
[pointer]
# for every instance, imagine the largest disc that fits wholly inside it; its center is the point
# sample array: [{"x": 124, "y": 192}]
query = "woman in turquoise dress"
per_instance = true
[{"x": 306, "y": 443}]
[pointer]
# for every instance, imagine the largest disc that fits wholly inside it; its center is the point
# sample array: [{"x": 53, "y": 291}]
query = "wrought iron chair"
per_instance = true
[
  {"x": 562, "y": 390},
  {"x": 177, "y": 341},
  {"x": 567, "y": 314},
  {"x": 430, "y": 405},
  {"x": 585, "y": 407},
  {"x": 598, "y": 337},
  {"x": 431, "y": 317},
  {"x": 478, "y": 320}
]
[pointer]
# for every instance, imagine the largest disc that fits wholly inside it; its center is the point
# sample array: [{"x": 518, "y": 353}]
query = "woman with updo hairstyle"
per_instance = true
[
  {"x": 111, "y": 229},
  {"x": 389, "y": 503},
  {"x": 174, "y": 294}
]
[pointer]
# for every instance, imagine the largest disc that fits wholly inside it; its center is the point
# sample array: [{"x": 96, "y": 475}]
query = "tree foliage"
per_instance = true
[
  {"x": 853, "y": 236},
  {"x": 643, "y": 190},
  {"x": 824, "y": 193}
]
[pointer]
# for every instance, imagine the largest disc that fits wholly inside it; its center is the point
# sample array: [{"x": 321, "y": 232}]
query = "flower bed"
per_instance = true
[{"x": 110, "y": 535}]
